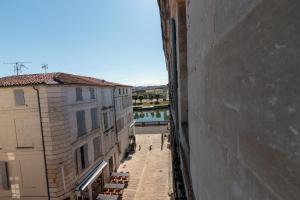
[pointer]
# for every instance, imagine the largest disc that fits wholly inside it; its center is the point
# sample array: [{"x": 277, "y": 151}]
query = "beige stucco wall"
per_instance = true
[
  {"x": 58, "y": 111},
  {"x": 20, "y": 127}
]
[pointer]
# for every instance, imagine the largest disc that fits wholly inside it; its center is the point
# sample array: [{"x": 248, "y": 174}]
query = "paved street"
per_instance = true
[{"x": 149, "y": 170}]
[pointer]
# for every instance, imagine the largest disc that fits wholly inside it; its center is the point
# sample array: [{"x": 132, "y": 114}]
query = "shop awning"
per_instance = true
[
  {"x": 132, "y": 124},
  {"x": 90, "y": 176}
]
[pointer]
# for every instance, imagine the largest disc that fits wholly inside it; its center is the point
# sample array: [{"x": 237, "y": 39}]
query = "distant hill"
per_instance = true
[{"x": 140, "y": 88}]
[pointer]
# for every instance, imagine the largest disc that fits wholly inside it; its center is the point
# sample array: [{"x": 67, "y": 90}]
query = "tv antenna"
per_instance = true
[
  {"x": 45, "y": 67},
  {"x": 18, "y": 66}
]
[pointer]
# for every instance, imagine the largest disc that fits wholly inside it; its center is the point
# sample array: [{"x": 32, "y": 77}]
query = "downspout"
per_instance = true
[
  {"x": 43, "y": 140},
  {"x": 115, "y": 118}
]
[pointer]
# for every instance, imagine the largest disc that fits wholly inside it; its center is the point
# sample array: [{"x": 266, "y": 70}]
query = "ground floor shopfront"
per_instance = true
[{"x": 92, "y": 182}]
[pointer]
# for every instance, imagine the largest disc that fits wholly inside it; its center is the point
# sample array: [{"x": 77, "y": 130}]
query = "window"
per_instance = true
[
  {"x": 4, "y": 181},
  {"x": 94, "y": 117},
  {"x": 119, "y": 90},
  {"x": 97, "y": 150},
  {"x": 81, "y": 156},
  {"x": 92, "y": 93},
  {"x": 123, "y": 90},
  {"x": 120, "y": 124},
  {"x": 81, "y": 128},
  {"x": 79, "y": 96},
  {"x": 105, "y": 120},
  {"x": 19, "y": 97},
  {"x": 126, "y": 91}
]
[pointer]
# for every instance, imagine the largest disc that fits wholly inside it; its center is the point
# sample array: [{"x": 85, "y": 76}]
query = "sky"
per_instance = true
[{"x": 116, "y": 40}]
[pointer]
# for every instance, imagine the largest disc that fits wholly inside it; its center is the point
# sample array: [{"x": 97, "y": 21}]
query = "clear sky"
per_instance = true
[{"x": 117, "y": 40}]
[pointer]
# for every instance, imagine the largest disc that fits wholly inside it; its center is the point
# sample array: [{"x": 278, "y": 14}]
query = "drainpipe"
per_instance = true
[
  {"x": 43, "y": 140},
  {"x": 116, "y": 128},
  {"x": 115, "y": 113}
]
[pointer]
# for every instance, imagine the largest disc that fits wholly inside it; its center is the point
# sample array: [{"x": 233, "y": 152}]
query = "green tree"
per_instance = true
[
  {"x": 141, "y": 98},
  {"x": 151, "y": 97},
  {"x": 152, "y": 114},
  {"x": 136, "y": 115},
  {"x": 135, "y": 98},
  {"x": 158, "y": 115},
  {"x": 157, "y": 97}
]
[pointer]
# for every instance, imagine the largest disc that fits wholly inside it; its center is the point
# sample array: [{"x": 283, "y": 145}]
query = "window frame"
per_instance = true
[
  {"x": 96, "y": 120},
  {"x": 105, "y": 114},
  {"x": 79, "y": 93},
  {"x": 96, "y": 156},
  {"x": 82, "y": 158},
  {"x": 92, "y": 93},
  {"x": 4, "y": 176},
  {"x": 84, "y": 129},
  {"x": 21, "y": 94}
]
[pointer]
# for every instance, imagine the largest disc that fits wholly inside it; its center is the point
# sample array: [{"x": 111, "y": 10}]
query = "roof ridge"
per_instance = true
[{"x": 55, "y": 78}]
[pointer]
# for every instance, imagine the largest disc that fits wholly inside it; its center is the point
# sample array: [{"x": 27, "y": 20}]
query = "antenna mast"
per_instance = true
[
  {"x": 18, "y": 66},
  {"x": 45, "y": 67}
]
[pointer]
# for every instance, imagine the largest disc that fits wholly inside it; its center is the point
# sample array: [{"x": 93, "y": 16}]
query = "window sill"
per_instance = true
[
  {"x": 95, "y": 129},
  {"x": 109, "y": 129},
  {"x": 87, "y": 134},
  {"x": 29, "y": 147}
]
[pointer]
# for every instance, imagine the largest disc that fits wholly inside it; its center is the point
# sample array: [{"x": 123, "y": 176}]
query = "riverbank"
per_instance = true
[{"x": 151, "y": 107}]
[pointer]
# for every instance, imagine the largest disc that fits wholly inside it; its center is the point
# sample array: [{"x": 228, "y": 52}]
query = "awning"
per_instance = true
[
  {"x": 90, "y": 176},
  {"x": 132, "y": 124}
]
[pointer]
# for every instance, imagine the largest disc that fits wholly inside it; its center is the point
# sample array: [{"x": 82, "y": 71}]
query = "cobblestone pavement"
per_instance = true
[{"x": 149, "y": 170}]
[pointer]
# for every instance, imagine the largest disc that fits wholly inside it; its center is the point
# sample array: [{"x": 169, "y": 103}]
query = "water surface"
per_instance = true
[{"x": 160, "y": 115}]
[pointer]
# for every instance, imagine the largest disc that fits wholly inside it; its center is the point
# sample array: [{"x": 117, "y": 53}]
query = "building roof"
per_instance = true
[{"x": 54, "y": 79}]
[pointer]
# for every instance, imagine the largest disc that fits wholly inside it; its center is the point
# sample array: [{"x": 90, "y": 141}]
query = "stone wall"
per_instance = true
[{"x": 243, "y": 96}]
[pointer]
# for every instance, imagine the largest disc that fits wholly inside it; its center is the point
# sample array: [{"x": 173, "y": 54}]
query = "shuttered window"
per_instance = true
[
  {"x": 97, "y": 150},
  {"x": 4, "y": 181},
  {"x": 94, "y": 117},
  {"x": 120, "y": 124},
  {"x": 79, "y": 95},
  {"x": 105, "y": 120},
  {"x": 81, "y": 155},
  {"x": 19, "y": 97},
  {"x": 92, "y": 93},
  {"x": 81, "y": 128}
]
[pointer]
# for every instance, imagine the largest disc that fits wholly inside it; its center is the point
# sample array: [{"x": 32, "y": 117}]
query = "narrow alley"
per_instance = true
[{"x": 149, "y": 169}]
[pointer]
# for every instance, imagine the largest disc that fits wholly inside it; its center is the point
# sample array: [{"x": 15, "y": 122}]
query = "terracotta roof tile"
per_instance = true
[{"x": 54, "y": 78}]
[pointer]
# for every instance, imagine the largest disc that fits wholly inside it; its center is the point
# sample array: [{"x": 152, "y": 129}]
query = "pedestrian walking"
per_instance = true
[
  {"x": 150, "y": 147},
  {"x": 140, "y": 147}
]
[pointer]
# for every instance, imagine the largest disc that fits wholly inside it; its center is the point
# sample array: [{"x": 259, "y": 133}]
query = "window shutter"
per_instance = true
[
  {"x": 105, "y": 120},
  {"x": 80, "y": 116},
  {"x": 92, "y": 93},
  {"x": 86, "y": 158},
  {"x": 97, "y": 152},
  {"x": 4, "y": 182},
  {"x": 78, "y": 160},
  {"x": 94, "y": 118},
  {"x": 19, "y": 97},
  {"x": 79, "y": 96}
]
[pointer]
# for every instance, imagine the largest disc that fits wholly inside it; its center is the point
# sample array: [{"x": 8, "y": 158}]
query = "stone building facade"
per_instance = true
[
  {"x": 235, "y": 104},
  {"x": 58, "y": 136}
]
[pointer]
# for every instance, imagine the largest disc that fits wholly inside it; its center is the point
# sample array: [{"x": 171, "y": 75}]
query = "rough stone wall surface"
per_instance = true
[{"x": 244, "y": 99}]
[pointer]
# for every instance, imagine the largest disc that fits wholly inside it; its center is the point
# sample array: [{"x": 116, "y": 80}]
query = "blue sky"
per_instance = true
[{"x": 117, "y": 40}]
